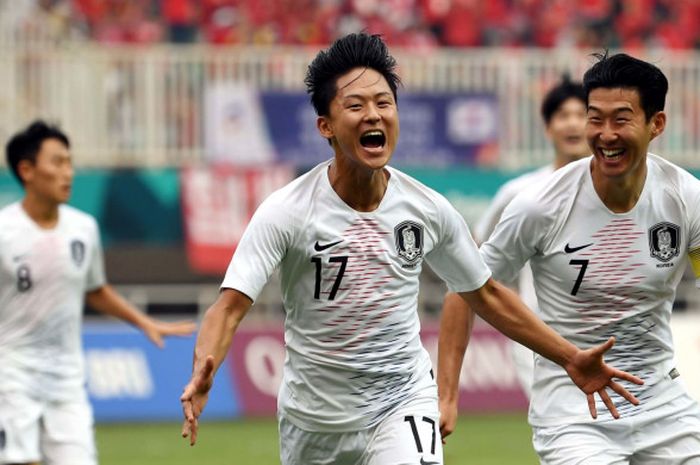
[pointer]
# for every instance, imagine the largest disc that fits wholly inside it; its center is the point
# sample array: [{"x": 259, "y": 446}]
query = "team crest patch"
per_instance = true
[
  {"x": 77, "y": 251},
  {"x": 664, "y": 241},
  {"x": 409, "y": 240}
]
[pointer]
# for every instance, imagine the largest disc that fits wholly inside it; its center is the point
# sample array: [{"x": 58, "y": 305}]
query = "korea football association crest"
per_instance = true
[
  {"x": 409, "y": 241},
  {"x": 77, "y": 251},
  {"x": 664, "y": 241}
]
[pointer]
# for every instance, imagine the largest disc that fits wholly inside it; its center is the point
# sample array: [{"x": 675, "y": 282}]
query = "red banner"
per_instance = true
[{"x": 218, "y": 202}]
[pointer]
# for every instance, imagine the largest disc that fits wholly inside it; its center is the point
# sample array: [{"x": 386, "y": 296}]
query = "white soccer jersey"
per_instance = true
[
  {"x": 600, "y": 274},
  {"x": 489, "y": 220},
  {"x": 44, "y": 274},
  {"x": 350, "y": 288}
]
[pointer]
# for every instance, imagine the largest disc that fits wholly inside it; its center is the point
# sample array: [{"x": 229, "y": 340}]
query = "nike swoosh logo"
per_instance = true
[
  {"x": 568, "y": 249},
  {"x": 320, "y": 247},
  {"x": 423, "y": 462}
]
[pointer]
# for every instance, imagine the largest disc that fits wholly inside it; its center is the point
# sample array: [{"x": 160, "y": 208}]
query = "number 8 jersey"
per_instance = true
[
  {"x": 44, "y": 274},
  {"x": 600, "y": 274},
  {"x": 350, "y": 291}
]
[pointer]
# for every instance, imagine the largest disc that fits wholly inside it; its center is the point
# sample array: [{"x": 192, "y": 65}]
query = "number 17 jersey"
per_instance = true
[{"x": 350, "y": 291}]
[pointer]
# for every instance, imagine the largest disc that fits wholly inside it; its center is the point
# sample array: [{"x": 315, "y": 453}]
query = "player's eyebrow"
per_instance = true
[
  {"x": 362, "y": 97},
  {"x": 615, "y": 110}
]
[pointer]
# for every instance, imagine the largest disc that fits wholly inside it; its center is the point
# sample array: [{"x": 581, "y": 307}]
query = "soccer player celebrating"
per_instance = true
[
  {"x": 50, "y": 263},
  {"x": 350, "y": 238},
  {"x": 564, "y": 114},
  {"x": 606, "y": 238}
]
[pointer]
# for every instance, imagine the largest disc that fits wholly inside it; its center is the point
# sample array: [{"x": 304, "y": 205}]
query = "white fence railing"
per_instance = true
[{"x": 144, "y": 106}]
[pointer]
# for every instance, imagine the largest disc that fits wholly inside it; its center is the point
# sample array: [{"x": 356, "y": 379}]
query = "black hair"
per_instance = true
[
  {"x": 26, "y": 144},
  {"x": 559, "y": 94},
  {"x": 352, "y": 51},
  {"x": 624, "y": 71}
]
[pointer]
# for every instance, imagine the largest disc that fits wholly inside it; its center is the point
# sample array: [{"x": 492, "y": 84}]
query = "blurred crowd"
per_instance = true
[{"x": 671, "y": 24}]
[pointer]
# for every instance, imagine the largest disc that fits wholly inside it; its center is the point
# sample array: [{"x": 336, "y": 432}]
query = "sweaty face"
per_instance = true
[
  {"x": 618, "y": 132},
  {"x": 50, "y": 177},
  {"x": 567, "y": 130},
  {"x": 363, "y": 123}
]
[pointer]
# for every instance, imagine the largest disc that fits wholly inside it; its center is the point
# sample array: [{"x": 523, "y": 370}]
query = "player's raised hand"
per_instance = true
[
  {"x": 592, "y": 375},
  {"x": 156, "y": 330},
  {"x": 194, "y": 398}
]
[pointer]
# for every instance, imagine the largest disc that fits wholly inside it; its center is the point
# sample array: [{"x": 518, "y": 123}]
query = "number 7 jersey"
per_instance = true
[
  {"x": 600, "y": 274},
  {"x": 350, "y": 291}
]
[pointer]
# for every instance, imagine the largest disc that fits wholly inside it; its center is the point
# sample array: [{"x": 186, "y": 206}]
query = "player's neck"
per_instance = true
[
  {"x": 43, "y": 213},
  {"x": 361, "y": 189},
  {"x": 620, "y": 194}
]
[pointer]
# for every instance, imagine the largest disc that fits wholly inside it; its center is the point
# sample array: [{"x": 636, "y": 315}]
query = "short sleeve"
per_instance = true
[
  {"x": 455, "y": 258},
  {"x": 516, "y": 238},
  {"x": 96, "y": 271},
  {"x": 694, "y": 229},
  {"x": 262, "y": 247}
]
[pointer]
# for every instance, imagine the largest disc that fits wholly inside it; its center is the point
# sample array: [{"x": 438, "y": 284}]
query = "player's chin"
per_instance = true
[{"x": 375, "y": 158}]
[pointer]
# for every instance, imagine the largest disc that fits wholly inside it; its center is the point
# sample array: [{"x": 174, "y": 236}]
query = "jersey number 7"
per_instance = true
[{"x": 581, "y": 272}]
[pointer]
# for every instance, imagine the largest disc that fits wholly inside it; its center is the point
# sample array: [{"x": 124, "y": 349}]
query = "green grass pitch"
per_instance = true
[{"x": 478, "y": 440}]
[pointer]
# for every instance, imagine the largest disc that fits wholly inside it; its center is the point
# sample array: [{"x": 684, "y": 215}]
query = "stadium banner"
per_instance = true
[
  {"x": 488, "y": 382},
  {"x": 436, "y": 129},
  {"x": 235, "y": 129},
  {"x": 130, "y": 379},
  {"x": 217, "y": 203}
]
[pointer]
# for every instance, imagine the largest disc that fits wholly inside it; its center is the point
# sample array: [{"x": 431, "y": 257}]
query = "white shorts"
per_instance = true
[
  {"x": 408, "y": 436},
  {"x": 49, "y": 432},
  {"x": 668, "y": 434}
]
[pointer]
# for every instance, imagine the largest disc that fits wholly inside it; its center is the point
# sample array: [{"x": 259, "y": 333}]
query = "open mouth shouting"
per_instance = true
[{"x": 373, "y": 139}]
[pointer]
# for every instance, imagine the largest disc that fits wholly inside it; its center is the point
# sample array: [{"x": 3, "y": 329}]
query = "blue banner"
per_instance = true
[
  {"x": 130, "y": 379},
  {"x": 436, "y": 129}
]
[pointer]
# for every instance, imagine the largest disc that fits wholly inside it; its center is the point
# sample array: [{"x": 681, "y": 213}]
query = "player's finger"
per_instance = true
[
  {"x": 627, "y": 377},
  {"x": 608, "y": 403},
  {"x": 604, "y": 347},
  {"x": 591, "y": 406},
  {"x": 444, "y": 431},
  {"x": 194, "y": 426},
  {"x": 623, "y": 392},
  {"x": 180, "y": 328},
  {"x": 188, "y": 392},
  {"x": 187, "y": 410},
  {"x": 185, "y": 428}
]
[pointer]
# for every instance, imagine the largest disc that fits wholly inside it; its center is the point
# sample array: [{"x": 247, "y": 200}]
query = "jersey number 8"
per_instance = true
[{"x": 24, "y": 279}]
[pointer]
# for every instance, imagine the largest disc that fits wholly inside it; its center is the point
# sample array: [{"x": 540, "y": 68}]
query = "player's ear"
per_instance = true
[
  {"x": 25, "y": 169},
  {"x": 324, "y": 127},
  {"x": 658, "y": 123}
]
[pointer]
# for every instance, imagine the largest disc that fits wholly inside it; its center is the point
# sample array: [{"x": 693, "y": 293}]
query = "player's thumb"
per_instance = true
[
  {"x": 157, "y": 339},
  {"x": 607, "y": 345}
]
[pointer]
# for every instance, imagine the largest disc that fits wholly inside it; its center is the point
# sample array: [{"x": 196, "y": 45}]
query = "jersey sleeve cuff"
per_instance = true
[
  {"x": 241, "y": 287},
  {"x": 472, "y": 286}
]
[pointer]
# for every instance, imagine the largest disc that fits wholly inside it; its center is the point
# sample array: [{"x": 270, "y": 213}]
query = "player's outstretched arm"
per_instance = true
[
  {"x": 108, "y": 301},
  {"x": 504, "y": 310},
  {"x": 213, "y": 341},
  {"x": 456, "y": 322}
]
